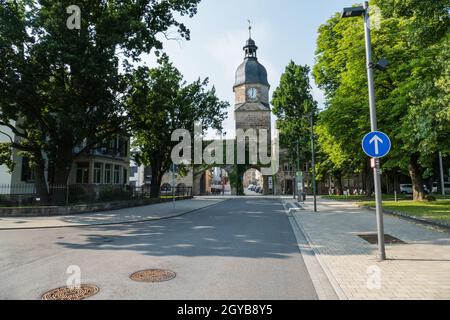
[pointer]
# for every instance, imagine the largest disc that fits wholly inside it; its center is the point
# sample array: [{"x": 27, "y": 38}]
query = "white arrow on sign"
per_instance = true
[{"x": 376, "y": 140}]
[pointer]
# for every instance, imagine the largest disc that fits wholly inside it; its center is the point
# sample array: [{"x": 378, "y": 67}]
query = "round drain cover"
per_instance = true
[
  {"x": 67, "y": 293},
  {"x": 153, "y": 275}
]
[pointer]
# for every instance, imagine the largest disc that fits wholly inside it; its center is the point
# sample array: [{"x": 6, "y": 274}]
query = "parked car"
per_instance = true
[
  {"x": 258, "y": 189},
  {"x": 408, "y": 189},
  {"x": 250, "y": 187},
  {"x": 434, "y": 189},
  {"x": 166, "y": 189},
  {"x": 437, "y": 186}
]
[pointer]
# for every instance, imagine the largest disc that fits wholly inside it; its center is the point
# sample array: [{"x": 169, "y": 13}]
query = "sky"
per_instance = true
[{"x": 284, "y": 30}]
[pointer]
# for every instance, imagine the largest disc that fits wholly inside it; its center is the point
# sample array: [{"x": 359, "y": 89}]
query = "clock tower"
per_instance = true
[{"x": 251, "y": 89}]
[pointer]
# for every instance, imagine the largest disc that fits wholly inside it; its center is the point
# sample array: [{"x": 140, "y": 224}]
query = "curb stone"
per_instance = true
[
  {"x": 335, "y": 285},
  {"x": 118, "y": 223},
  {"x": 413, "y": 218}
]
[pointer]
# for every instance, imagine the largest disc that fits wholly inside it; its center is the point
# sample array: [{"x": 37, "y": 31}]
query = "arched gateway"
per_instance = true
[{"x": 252, "y": 106}]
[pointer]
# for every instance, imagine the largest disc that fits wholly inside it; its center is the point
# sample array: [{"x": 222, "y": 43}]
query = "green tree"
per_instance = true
[
  {"x": 412, "y": 95},
  {"x": 293, "y": 103},
  {"x": 159, "y": 103},
  {"x": 61, "y": 88},
  {"x": 415, "y": 98}
]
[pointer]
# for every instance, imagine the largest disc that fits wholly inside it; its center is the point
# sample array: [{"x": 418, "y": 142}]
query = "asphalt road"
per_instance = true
[{"x": 240, "y": 249}]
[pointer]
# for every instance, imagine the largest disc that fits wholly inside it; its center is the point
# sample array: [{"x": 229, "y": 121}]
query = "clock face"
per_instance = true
[{"x": 252, "y": 93}]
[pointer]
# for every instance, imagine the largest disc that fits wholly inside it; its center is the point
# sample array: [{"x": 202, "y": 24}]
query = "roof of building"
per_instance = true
[{"x": 251, "y": 71}]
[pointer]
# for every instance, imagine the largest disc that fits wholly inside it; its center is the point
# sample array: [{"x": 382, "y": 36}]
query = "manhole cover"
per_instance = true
[
  {"x": 153, "y": 275},
  {"x": 67, "y": 293},
  {"x": 372, "y": 238}
]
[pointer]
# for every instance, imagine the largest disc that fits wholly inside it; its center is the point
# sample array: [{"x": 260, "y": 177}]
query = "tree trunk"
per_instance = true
[
  {"x": 240, "y": 181},
  {"x": 59, "y": 191},
  {"x": 40, "y": 181},
  {"x": 369, "y": 185},
  {"x": 155, "y": 188},
  {"x": 338, "y": 184},
  {"x": 415, "y": 172},
  {"x": 396, "y": 183},
  {"x": 62, "y": 166}
]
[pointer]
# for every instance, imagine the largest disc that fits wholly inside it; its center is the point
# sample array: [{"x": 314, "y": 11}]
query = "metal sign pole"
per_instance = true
[
  {"x": 373, "y": 122},
  {"x": 313, "y": 163},
  {"x": 441, "y": 166},
  {"x": 173, "y": 185},
  {"x": 298, "y": 170}
]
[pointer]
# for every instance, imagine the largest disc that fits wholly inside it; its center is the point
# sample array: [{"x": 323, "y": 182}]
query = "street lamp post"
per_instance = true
[
  {"x": 313, "y": 162},
  {"x": 173, "y": 186},
  {"x": 364, "y": 11},
  {"x": 298, "y": 170},
  {"x": 441, "y": 169}
]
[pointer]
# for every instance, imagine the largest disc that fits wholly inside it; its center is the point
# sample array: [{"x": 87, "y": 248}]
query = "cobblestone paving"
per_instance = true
[{"x": 418, "y": 270}]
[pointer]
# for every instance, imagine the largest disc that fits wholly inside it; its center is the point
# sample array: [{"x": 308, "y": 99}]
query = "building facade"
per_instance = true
[{"x": 106, "y": 164}]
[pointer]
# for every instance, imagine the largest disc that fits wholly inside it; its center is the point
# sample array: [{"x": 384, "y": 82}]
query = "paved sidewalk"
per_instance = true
[
  {"x": 419, "y": 269},
  {"x": 136, "y": 214}
]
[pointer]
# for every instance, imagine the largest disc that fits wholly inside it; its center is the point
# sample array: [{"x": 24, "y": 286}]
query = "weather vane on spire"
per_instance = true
[{"x": 250, "y": 28}]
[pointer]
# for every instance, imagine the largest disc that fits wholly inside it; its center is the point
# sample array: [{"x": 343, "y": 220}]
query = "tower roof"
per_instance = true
[{"x": 251, "y": 71}]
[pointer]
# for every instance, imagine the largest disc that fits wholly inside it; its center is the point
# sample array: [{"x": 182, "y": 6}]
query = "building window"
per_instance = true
[
  {"x": 107, "y": 174},
  {"x": 83, "y": 173},
  {"x": 134, "y": 171},
  {"x": 288, "y": 167},
  {"x": 27, "y": 174},
  {"x": 122, "y": 147},
  {"x": 126, "y": 148},
  {"x": 116, "y": 174},
  {"x": 98, "y": 173},
  {"x": 166, "y": 188},
  {"x": 148, "y": 175},
  {"x": 115, "y": 145},
  {"x": 125, "y": 176}
]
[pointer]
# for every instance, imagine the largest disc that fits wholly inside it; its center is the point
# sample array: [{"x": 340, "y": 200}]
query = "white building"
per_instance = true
[
  {"x": 106, "y": 164},
  {"x": 21, "y": 175}
]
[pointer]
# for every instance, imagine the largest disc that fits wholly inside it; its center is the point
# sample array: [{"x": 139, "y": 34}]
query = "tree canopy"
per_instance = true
[
  {"x": 412, "y": 94},
  {"x": 62, "y": 88},
  {"x": 159, "y": 103},
  {"x": 292, "y": 104}
]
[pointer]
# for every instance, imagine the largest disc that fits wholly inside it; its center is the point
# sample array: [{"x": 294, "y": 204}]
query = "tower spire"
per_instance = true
[{"x": 250, "y": 47}]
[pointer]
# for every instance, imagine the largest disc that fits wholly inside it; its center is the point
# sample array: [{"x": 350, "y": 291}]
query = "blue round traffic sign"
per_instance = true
[{"x": 376, "y": 144}]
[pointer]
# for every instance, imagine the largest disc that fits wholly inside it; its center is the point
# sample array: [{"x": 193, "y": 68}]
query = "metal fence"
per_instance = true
[{"x": 61, "y": 195}]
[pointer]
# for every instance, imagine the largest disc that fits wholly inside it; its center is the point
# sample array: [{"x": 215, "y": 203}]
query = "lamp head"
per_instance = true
[
  {"x": 353, "y": 12},
  {"x": 382, "y": 64}
]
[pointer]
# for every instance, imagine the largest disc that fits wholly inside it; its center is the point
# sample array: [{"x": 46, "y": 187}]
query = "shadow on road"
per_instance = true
[{"x": 240, "y": 228}]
